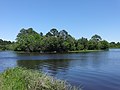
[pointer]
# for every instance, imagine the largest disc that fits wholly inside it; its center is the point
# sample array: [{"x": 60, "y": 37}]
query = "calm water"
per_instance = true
[{"x": 93, "y": 71}]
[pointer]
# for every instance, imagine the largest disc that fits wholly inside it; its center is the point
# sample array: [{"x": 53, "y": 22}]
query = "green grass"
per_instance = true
[
  {"x": 85, "y": 51},
  {"x": 23, "y": 79}
]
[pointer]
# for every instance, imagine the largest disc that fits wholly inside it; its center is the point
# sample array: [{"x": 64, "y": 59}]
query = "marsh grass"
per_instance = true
[{"x": 23, "y": 79}]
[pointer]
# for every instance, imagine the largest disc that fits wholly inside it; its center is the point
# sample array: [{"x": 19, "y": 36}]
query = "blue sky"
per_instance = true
[{"x": 81, "y": 18}]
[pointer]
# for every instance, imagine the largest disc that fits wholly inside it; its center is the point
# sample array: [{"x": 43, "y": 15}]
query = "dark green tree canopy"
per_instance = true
[
  {"x": 28, "y": 40},
  {"x": 63, "y": 33},
  {"x": 96, "y": 37},
  {"x": 5, "y": 45},
  {"x": 56, "y": 41},
  {"x": 53, "y": 32},
  {"x": 104, "y": 45},
  {"x": 82, "y": 44}
]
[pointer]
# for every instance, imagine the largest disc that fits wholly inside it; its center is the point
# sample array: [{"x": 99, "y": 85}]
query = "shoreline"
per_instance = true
[
  {"x": 85, "y": 51},
  {"x": 79, "y": 51}
]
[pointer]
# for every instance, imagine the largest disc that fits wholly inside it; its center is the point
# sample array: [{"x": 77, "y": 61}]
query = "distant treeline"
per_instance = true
[
  {"x": 5, "y": 45},
  {"x": 54, "y": 41},
  {"x": 114, "y": 45}
]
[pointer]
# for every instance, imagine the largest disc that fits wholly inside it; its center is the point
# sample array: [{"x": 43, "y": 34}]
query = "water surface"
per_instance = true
[{"x": 93, "y": 70}]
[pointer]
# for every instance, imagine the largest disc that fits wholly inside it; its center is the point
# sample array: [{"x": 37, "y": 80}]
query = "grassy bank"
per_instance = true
[
  {"x": 23, "y": 79},
  {"x": 85, "y": 51}
]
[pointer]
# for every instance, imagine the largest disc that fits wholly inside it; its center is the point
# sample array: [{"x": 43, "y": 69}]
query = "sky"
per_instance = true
[{"x": 81, "y": 18}]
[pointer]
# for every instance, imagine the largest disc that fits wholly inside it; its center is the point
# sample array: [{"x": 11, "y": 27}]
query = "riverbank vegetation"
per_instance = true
[
  {"x": 29, "y": 40},
  {"x": 115, "y": 45},
  {"x": 56, "y": 41},
  {"x": 23, "y": 79},
  {"x": 6, "y": 45}
]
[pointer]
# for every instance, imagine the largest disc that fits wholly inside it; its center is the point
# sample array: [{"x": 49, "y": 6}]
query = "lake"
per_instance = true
[{"x": 91, "y": 71}]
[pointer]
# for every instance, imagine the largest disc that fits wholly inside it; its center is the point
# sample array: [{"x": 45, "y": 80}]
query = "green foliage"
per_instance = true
[
  {"x": 4, "y": 42},
  {"x": 92, "y": 45},
  {"x": 29, "y": 40},
  {"x": 23, "y": 79},
  {"x": 95, "y": 43},
  {"x": 51, "y": 44},
  {"x": 82, "y": 44},
  {"x": 104, "y": 45},
  {"x": 53, "y": 41},
  {"x": 96, "y": 38},
  {"x": 5, "y": 45},
  {"x": 114, "y": 45}
]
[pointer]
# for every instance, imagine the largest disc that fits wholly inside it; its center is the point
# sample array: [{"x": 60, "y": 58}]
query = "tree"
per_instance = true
[
  {"x": 53, "y": 32},
  {"x": 96, "y": 38},
  {"x": 52, "y": 44},
  {"x": 94, "y": 42},
  {"x": 92, "y": 45},
  {"x": 48, "y": 34},
  {"x": 69, "y": 43},
  {"x": 104, "y": 45},
  {"x": 54, "y": 41},
  {"x": 118, "y": 44},
  {"x": 28, "y": 40},
  {"x": 59, "y": 41},
  {"x": 4, "y": 45},
  {"x": 82, "y": 44},
  {"x": 112, "y": 45},
  {"x": 41, "y": 34},
  {"x": 64, "y": 34}
]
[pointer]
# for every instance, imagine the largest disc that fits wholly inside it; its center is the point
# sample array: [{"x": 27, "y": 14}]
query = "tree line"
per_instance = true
[
  {"x": 5, "y": 45},
  {"x": 56, "y": 41},
  {"x": 29, "y": 40},
  {"x": 114, "y": 45}
]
